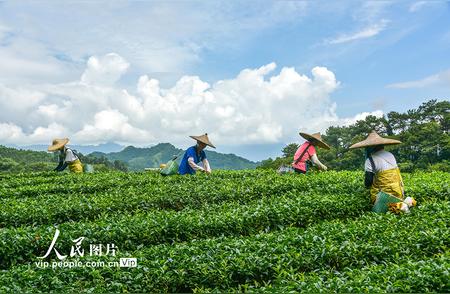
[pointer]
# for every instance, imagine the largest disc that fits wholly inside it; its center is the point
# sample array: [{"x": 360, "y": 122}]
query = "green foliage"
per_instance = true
[
  {"x": 290, "y": 149},
  {"x": 440, "y": 166},
  {"x": 230, "y": 231},
  {"x": 275, "y": 164},
  {"x": 404, "y": 276},
  {"x": 7, "y": 164},
  {"x": 226, "y": 262},
  {"x": 423, "y": 132},
  {"x": 14, "y": 160},
  {"x": 24, "y": 156}
]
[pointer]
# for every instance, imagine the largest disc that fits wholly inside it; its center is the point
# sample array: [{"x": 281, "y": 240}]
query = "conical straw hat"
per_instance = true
[
  {"x": 315, "y": 137},
  {"x": 204, "y": 139},
  {"x": 374, "y": 139},
  {"x": 58, "y": 143}
]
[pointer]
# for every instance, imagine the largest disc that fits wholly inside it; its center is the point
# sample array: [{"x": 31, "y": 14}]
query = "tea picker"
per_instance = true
[
  {"x": 67, "y": 156},
  {"x": 306, "y": 153},
  {"x": 194, "y": 155},
  {"x": 382, "y": 175}
]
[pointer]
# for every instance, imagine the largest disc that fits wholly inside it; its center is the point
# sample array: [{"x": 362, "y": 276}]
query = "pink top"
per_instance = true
[{"x": 301, "y": 165}]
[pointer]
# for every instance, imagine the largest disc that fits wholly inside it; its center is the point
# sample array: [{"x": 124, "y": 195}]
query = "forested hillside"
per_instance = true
[{"x": 423, "y": 131}]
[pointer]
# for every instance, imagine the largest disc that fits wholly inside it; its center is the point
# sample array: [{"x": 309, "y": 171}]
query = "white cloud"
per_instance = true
[
  {"x": 441, "y": 78},
  {"x": 257, "y": 106},
  {"x": 41, "y": 134},
  {"x": 370, "y": 11},
  {"x": 420, "y": 5},
  {"x": 367, "y": 32},
  {"x": 370, "y": 18},
  {"x": 25, "y": 59},
  {"x": 49, "y": 43},
  {"x": 105, "y": 70},
  {"x": 111, "y": 125},
  {"x": 3, "y": 31},
  {"x": 11, "y": 134},
  {"x": 360, "y": 116},
  {"x": 416, "y": 6}
]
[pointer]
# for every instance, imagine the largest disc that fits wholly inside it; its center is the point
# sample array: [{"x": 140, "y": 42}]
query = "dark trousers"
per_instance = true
[{"x": 299, "y": 171}]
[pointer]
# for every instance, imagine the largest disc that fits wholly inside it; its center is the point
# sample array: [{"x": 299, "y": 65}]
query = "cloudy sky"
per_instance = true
[{"x": 250, "y": 73}]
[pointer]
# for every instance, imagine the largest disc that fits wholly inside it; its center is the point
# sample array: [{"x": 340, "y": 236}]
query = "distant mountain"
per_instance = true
[
  {"x": 85, "y": 149},
  {"x": 135, "y": 158},
  {"x": 140, "y": 158}
]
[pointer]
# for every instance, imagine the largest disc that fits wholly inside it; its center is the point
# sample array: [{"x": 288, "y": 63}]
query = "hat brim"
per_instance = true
[
  {"x": 370, "y": 143},
  {"x": 58, "y": 145},
  {"x": 319, "y": 143},
  {"x": 203, "y": 141}
]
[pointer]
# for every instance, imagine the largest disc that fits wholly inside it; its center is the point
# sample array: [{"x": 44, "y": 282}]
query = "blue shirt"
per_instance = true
[{"x": 185, "y": 168}]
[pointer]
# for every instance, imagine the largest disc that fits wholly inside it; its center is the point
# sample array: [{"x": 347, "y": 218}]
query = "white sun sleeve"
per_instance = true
[{"x": 194, "y": 165}]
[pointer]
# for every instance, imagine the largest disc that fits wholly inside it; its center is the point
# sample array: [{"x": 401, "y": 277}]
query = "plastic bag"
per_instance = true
[
  {"x": 171, "y": 168},
  {"x": 285, "y": 170},
  {"x": 382, "y": 202},
  {"x": 410, "y": 201},
  {"x": 386, "y": 202},
  {"x": 88, "y": 168}
]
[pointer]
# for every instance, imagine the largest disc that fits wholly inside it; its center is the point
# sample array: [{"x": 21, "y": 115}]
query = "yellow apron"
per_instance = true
[
  {"x": 75, "y": 166},
  {"x": 389, "y": 181}
]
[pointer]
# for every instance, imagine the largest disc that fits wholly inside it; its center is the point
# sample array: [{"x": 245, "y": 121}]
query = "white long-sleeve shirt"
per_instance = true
[
  {"x": 315, "y": 160},
  {"x": 198, "y": 167}
]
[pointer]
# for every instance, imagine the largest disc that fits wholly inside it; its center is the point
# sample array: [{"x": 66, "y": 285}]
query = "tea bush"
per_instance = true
[{"x": 230, "y": 231}]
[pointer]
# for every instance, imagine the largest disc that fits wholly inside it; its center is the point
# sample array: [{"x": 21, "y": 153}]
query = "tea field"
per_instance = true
[{"x": 231, "y": 231}]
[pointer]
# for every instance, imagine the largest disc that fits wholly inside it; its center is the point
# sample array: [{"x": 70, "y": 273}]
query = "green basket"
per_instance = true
[
  {"x": 170, "y": 169},
  {"x": 382, "y": 203}
]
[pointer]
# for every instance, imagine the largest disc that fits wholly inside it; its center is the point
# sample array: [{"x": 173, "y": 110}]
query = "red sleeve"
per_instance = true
[{"x": 311, "y": 150}]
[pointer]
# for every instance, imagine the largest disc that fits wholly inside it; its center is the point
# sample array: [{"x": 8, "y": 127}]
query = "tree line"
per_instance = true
[
  {"x": 423, "y": 132},
  {"x": 15, "y": 160}
]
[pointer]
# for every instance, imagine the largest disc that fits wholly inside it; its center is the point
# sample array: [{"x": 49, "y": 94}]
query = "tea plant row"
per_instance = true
[{"x": 344, "y": 249}]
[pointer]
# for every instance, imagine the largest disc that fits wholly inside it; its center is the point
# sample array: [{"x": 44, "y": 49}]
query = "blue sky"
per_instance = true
[{"x": 250, "y": 73}]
